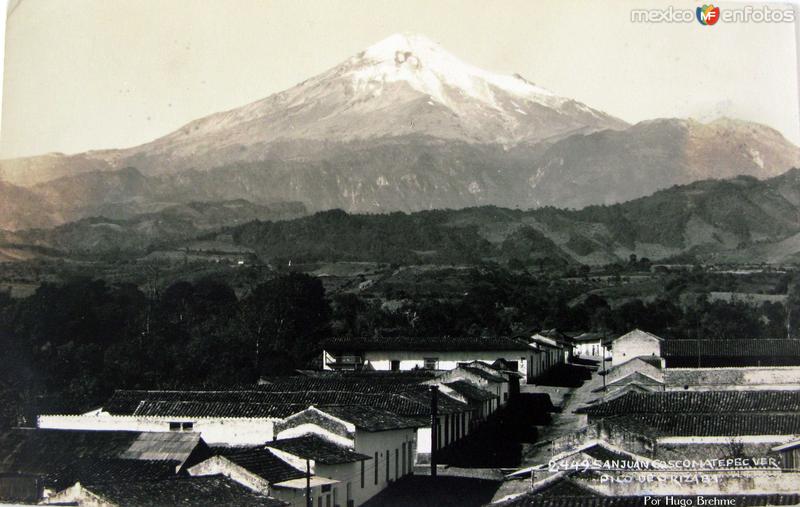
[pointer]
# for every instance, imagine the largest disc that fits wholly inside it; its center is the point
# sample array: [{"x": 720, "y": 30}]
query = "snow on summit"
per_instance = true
[
  {"x": 428, "y": 68},
  {"x": 405, "y": 85}
]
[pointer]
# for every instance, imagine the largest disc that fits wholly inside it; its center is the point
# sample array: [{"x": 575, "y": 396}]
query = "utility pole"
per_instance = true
[
  {"x": 603, "y": 353},
  {"x": 309, "y": 501},
  {"x": 434, "y": 427}
]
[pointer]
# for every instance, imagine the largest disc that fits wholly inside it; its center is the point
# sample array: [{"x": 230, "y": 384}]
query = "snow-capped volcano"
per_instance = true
[
  {"x": 403, "y": 85},
  {"x": 403, "y": 125},
  {"x": 427, "y": 68}
]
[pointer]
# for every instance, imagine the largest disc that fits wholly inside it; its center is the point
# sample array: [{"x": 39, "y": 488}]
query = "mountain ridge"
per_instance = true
[
  {"x": 734, "y": 220},
  {"x": 403, "y": 125}
]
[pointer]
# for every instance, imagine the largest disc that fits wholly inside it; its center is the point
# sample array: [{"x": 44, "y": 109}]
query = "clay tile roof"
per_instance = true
[
  {"x": 483, "y": 374},
  {"x": 374, "y": 419},
  {"x": 703, "y": 425},
  {"x": 318, "y": 449},
  {"x": 470, "y": 391},
  {"x": 103, "y": 470},
  {"x": 697, "y": 402},
  {"x": 781, "y": 348},
  {"x": 260, "y": 461},
  {"x": 43, "y": 451},
  {"x": 209, "y": 491}
]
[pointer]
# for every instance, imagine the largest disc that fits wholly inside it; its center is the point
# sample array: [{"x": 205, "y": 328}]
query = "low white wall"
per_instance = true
[{"x": 446, "y": 360}]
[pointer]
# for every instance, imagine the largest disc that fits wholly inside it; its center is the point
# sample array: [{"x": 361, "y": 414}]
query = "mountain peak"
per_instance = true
[
  {"x": 404, "y": 42},
  {"x": 428, "y": 68}
]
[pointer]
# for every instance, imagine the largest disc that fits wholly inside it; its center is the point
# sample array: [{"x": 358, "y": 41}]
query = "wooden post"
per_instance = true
[
  {"x": 434, "y": 427},
  {"x": 309, "y": 501}
]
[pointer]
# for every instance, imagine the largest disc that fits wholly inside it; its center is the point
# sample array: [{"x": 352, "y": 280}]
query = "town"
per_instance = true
[{"x": 384, "y": 420}]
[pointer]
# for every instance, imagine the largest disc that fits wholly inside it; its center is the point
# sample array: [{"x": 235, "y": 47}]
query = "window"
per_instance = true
[
  {"x": 395, "y": 365},
  {"x": 362, "y": 474},
  {"x": 174, "y": 426},
  {"x": 328, "y": 501},
  {"x": 376, "y": 468},
  {"x": 319, "y": 501},
  {"x": 396, "y": 464},
  {"x": 403, "y": 453},
  {"x": 446, "y": 430},
  {"x": 187, "y": 426},
  {"x": 387, "y": 465},
  {"x": 325, "y": 488},
  {"x": 431, "y": 363},
  {"x": 410, "y": 457}
]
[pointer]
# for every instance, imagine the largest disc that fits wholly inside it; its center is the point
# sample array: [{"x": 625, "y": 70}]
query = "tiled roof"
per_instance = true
[
  {"x": 638, "y": 333},
  {"x": 375, "y": 419},
  {"x": 279, "y": 400},
  {"x": 430, "y": 343},
  {"x": 344, "y": 383},
  {"x": 706, "y": 425},
  {"x": 215, "y": 409},
  {"x": 260, "y": 461},
  {"x": 318, "y": 449},
  {"x": 484, "y": 375},
  {"x": 102, "y": 470},
  {"x": 697, "y": 402},
  {"x": 470, "y": 391},
  {"x": 42, "y": 451},
  {"x": 637, "y": 377},
  {"x": 594, "y": 337},
  {"x": 404, "y": 376},
  {"x": 603, "y": 453},
  {"x": 209, "y": 491},
  {"x": 782, "y": 348}
]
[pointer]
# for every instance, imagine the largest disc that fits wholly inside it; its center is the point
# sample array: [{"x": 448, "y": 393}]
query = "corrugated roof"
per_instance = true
[
  {"x": 175, "y": 446},
  {"x": 428, "y": 343},
  {"x": 698, "y": 402},
  {"x": 318, "y": 449}
]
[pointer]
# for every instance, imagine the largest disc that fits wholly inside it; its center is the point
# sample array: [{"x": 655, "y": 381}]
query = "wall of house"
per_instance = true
[
  {"x": 401, "y": 445},
  {"x": 218, "y": 465},
  {"x": 775, "y": 378},
  {"x": 446, "y": 360},
  {"x": 77, "y": 495},
  {"x": 227, "y": 431},
  {"x": 591, "y": 349},
  {"x": 628, "y": 347},
  {"x": 502, "y": 390},
  {"x": 633, "y": 366},
  {"x": 296, "y": 497},
  {"x": 542, "y": 360}
]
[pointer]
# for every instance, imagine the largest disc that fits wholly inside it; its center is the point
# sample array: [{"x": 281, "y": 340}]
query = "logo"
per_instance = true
[{"x": 707, "y": 15}]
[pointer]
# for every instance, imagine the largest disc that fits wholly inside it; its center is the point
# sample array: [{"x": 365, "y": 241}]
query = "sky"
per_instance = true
[{"x": 93, "y": 74}]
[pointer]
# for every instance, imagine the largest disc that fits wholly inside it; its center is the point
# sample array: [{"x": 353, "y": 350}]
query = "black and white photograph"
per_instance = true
[{"x": 389, "y": 253}]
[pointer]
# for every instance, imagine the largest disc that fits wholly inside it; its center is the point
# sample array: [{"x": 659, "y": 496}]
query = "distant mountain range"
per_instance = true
[
  {"x": 403, "y": 125},
  {"x": 742, "y": 219}
]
